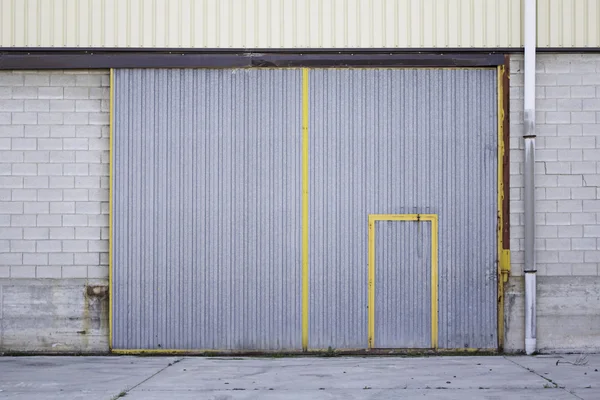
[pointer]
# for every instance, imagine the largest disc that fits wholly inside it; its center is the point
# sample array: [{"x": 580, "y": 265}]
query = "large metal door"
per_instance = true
[
  {"x": 206, "y": 209},
  {"x": 403, "y": 141}
]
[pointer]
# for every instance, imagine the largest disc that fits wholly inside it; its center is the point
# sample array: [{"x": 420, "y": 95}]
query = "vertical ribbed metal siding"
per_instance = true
[
  {"x": 206, "y": 210},
  {"x": 402, "y": 284},
  {"x": 396, "y": 142},
  {"x": 265, "y": 23}
]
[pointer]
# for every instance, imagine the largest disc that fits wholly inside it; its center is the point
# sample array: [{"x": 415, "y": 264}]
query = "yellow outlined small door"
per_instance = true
[{"x": 403, "y": 281}]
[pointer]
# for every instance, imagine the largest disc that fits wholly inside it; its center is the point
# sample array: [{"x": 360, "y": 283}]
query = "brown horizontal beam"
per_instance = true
[{"x": 14, "y": 59}]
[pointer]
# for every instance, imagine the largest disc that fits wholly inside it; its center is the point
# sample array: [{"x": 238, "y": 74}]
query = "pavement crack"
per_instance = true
[
  {"x": 554, "y": 384},
  {"x": 124, "y": 392}
]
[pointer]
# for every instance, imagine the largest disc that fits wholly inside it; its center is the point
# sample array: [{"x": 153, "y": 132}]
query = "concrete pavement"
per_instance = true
[{"x": 446, "y": 377}]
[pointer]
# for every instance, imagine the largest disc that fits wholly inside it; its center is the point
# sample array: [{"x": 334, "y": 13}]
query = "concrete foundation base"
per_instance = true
[
  {"x": 568, "y": 314},
  {"x": 52, "y": 315}
]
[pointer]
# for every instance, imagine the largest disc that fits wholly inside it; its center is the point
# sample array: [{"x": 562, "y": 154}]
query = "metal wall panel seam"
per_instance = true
[
  {"x": 434, "y": 280},
  {"x": 110, "y": 210},
  {"x": 305, "y": 209}
]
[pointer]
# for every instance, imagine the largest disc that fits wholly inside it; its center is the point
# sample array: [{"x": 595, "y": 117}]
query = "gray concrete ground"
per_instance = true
[{"x": 493, "y": 377}]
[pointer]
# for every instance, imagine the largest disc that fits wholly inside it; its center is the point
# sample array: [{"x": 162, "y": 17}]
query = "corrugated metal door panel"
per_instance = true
[
  {"x": 403, "y": 284},
  {"x": 206, "y": 210},
  {"x": 400, "y": 141}
]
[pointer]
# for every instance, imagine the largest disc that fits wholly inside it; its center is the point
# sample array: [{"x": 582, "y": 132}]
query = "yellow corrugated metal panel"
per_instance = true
[
  {"x": 568, "y": 23},
  {"x": 293, "y": 23}
]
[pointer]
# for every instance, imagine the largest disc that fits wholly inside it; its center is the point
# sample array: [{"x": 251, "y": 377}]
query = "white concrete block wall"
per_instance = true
[
  {"x": 567, "y": 204},
  {"x": 54, "y": 142},
  {"x": 567, "y": 164}
]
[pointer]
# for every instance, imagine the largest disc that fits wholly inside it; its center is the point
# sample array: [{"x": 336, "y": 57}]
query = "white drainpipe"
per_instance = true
[{"x": 529, "y": 141}]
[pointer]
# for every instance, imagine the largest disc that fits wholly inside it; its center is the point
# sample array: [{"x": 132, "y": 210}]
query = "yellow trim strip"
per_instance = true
[
  {"x": 110, "y": 210},
  {"x": 433, "y": 218},
  {"x": 503, "y": 255},
  {"x": 305, "y": 178}
]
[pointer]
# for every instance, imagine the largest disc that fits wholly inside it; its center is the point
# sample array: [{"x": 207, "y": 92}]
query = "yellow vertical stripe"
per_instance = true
[
  {"x": 110, "y": 209},
  {"x": 305, "y": 178},
  {"x": 371, "y": 285},
  {"x": 434, "y": 281}
]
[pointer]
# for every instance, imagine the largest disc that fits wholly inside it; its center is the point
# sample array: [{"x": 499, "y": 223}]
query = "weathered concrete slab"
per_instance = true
[{"x": 50, "y": 378}]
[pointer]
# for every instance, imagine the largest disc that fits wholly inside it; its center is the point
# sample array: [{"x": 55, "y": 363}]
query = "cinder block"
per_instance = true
[
  {"x": 5, "y": 92},
  {"x": 4, "y": 221},
  {"x": 584, "y": 243},
  {"x": 36, "y": 105},
  {"x": 570, "y": 231},
  {"x": 583, "y": 218},
  {"x": 23, "y": 144},
  {"x": 90, "y": 157},
  {"x": 62, "y": 80},
  {"x": 75, "y": 144},
  {"x": 546, "y": 155},
  {"x": 569, "y": 80},
  {"x": 37, "y": 131},
  {"x": 98, "y": 144},
  {"x": 585, "y": 193},
  {"x": 50, "y": 93},
  {"x": 11, "y": 259},
  {"x": 62, "y": 233},
  {"x": 49, "y": 220},
  {"x": 89, "y": 131},
  {"x": 591, "y": 104},
  {"x": 97, "y": 272},
  {"x": 49, "y": 272},
  {"x": 559, "y": 142},
  {"x": 585, "y": 270},
  {"x": 22, "y": 272},
  {"x": 583, "y": 142},
  {"x": 38, "y": 207},
  {"x": 79, "y": 271},
  {"x": 50, "y": 194},
  {"x": 570, "y": 155},
  {"x": 88, "y": 80},
  {"x": 557, "y": 193},
  {"x": 4, "y": 271},
  {"x": 37, "y": 80},
  {"x": 75, "y": 246},
  {"x": 590, "y": 129},
  {"x": 591, "y": 79},
  {"x": 62, "y": 105},
  {"x": 98, "y": 195},
  {"x": 5, "y": 118},
  {"x": 583, "y": 92},
  {"x": 36, "y": 233},
  {"x": 50, "y": 118},
  {"x": 591, "y": 205},
  {"x": 105, "y": 81},
  {"x": 75, "y": 220},
  {"x": 98, "y": 245},
  {"x": 562, "y": 181},
  {"x": 76, "y": 169},
  {"x": 11, "y": 233},
  {"x": 50, "y": 144},
  {"x": 76, "y": 195},
  {"x": 11, "y": 156},
  {"x": 11, "y": 207},
  {"x": 558, "y": 244},
  {"x": 22, "y": 246},
  {"x": 60, "y": 259},
  {"x": 48, "y": 246},
  {"x": 77, "y": 93},
  {"x": 87, "y": 258},
  {"x": 87, "y": 106},
  {"x": 101, "y": 118},
  {"x": 570, "y": 104},
  {"x": 563, "y": 218},
  {"x": 558, "y": 92},
  {"x": 591, "y": 256},
  {"x": 591, "y": 154},
  {"x": 35, "y": 258},
  {"x": 58, "y": 156},
  {"x": 62, "y": 207},
  {"x": 65, "y": 182},
  {"x": 583, "y": 117},
  {"x": 89, "y": 182},
  {"x": 11, "y": 106},
  {"x": 22, "y": 220},
  {"x": 98, "y": 220},
  {"x": 570, "y": 256},
  {"x": 62, "y": 131},
  {"x": 24, "y": 195},
  {"x": 39, "y": 156},
  {"x": 24, "y": 92},
  {"x": 24, "y": 169},
  {"x": 591, "y": 231},
  {"x": 87, "y": 207},
  {"x": 76, "y": 118}
]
